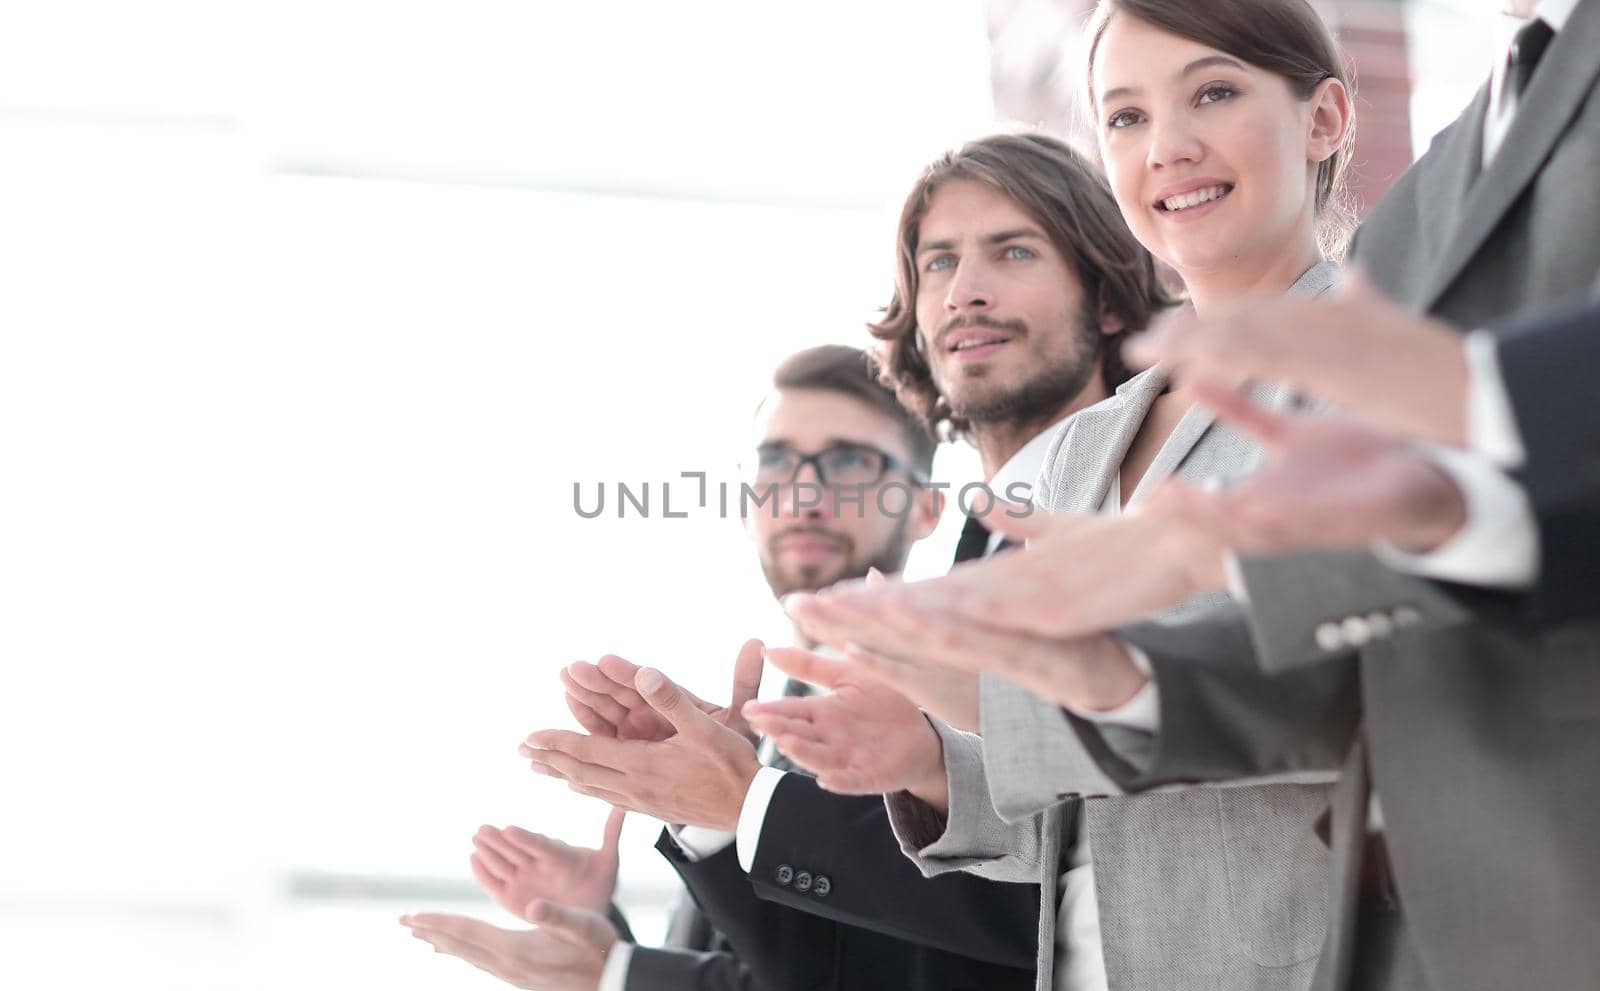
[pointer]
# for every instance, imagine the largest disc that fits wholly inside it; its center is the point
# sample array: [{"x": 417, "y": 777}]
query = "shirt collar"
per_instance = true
[{"x": 1025, "y": 464}]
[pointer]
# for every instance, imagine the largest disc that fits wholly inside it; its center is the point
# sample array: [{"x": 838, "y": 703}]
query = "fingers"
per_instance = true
[
  {"x": 1233, "y": 405},
  {"x": 812, "y": 755},
  {"x": 875, "y": 577},
  {"x": 496, "y": 863},
  {"x": 571, "y": 924},
  {"x": 578, "y": 679},
  {"x": 620, "y": 672},
  {"x": 491, "y": 884},
  {"x": 580, "y": 774},
  {"x": 898, "y": 675},
  {"x": 785, "y": 726},
  {"x": 1018, "y": 520},
  {"x": 1203, "y": 507},
  {"x": 613, "y": 833},
  {"x": 674, "y": 704},
  {"x": 836, "y": 620},
  {"x": 797, "y": 709},
  {"x": 589, "y": 719},
  {"x": 457, "y": 928},
  {"x": 807, "y": 666},
  {"x": 532, "y": 845},
  {"x": 448, "y": 934},
  {"x": 747, "y": 674},
  {"x": 588, "y": 749},
  {"x": 602, "y": 692},
  {"x": 1160, "y": 343}
]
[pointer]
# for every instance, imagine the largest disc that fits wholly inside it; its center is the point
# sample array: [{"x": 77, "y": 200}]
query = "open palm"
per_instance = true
[{"x": 515, "y": 866}]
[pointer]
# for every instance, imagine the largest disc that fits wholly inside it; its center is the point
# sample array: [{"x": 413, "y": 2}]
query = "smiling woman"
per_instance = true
[{"x": 1225, "y": 131}]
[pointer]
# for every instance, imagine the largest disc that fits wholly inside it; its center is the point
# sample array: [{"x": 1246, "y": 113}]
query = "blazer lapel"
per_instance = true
[
  {"x": 1180, "y": 442},
  {"x": 1454, "y": 168},
  {"x": 1565, "y": 77},
  {"x": 1098, "y": 439}
]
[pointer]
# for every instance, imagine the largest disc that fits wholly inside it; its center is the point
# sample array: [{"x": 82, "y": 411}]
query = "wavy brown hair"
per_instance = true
[
  {"x": 1284, "y": 37},
  {"x": 1071, "y": 201}
]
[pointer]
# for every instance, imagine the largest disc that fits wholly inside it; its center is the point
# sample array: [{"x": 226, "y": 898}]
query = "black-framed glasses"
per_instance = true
[{"x": 836, "y": 464}]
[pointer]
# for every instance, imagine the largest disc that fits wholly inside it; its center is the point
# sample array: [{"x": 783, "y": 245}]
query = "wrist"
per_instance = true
[
  {"x": 733, "y": 798},
  {"x": 930, "y": 783}
]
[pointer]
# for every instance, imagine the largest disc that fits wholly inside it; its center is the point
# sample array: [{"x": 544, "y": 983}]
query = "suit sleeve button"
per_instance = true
[
  {"x": 821, "y": 886},
  {"x": 1356, "y": 630},
  {"x": 785, "y": 874},
  {"x": 1380, "y": 624},
  {"x": 802, "y": 882},
  {"x": 1329, "y": 636}
]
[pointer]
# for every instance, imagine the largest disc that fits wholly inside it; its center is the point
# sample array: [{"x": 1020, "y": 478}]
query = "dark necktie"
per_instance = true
[
  {"x": 974, "y": 542},
  {"x": 1526, "y": 51}
]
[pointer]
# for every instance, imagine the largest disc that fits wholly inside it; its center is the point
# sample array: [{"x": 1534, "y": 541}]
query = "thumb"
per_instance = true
[
  {"x": 573, "y": 925},
  {"x": 613, "y": 831},
  {"x": 673, "y": 703},
  {"x": 875, "y": 577},
  {"x": 747, "y": 674}
]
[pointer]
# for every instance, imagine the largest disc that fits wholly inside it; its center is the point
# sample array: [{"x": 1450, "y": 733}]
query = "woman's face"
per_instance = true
[{"x": 1212, "y": 160}]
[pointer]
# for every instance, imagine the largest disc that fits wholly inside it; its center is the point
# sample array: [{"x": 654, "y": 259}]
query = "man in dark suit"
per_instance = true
[{"x": 827, "y": 421}]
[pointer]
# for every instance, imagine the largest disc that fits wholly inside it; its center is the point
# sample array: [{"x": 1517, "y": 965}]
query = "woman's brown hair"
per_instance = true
[{"x": 1071, "y": 200}]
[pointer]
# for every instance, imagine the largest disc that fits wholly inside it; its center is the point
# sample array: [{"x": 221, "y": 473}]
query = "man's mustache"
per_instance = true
[
  {"x": 809, "y": 531},
  {"x": 962, "y": 322}
]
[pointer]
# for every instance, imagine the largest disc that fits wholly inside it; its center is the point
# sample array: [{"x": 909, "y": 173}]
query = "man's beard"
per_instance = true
[
  {"x": 1043, "y": 394},
  {"x": 889, "y": 559}
]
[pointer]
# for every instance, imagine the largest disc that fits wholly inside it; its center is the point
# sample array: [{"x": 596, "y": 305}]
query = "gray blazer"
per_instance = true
[
  {"x": 1483, "y": 744},
  {"x": 1203, "y": 888}
]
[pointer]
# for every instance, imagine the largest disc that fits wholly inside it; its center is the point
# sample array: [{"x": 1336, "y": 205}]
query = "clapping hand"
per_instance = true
[{"x": 515, "y": 867}]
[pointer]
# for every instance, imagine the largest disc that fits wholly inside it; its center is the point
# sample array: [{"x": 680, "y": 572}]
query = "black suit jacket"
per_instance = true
[
  {"x": 836, "y": 856},
  {"x": 1549, "y": 365},
  {"x": 786, "y": 947}
]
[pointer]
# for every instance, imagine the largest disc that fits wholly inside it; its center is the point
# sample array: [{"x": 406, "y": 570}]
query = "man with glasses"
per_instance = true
[{"x": 837, "y": 484}]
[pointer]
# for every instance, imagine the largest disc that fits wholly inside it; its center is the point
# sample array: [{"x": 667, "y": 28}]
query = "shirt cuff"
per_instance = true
[
  {"x": 753, "y": 815},
  {"x": 1498, "y": 546},
  {"x": 1142, "y": 712},
  {"x": 698, "y": 842},
  {"x": 614, "y": 975},
  {"x": 1491, "y": 423}
]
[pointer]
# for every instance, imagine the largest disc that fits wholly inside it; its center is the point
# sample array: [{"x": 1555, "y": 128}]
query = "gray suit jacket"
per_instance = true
[
  {"x": 1203, "y": 888},
  {"x": 1483, "y": 744}
]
